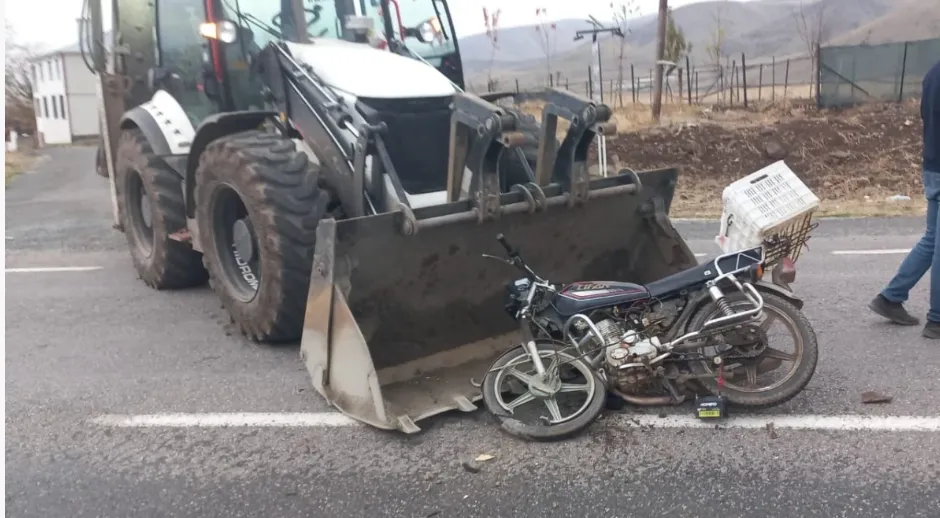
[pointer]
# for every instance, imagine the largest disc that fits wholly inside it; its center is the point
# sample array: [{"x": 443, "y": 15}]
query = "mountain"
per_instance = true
[
  {"x": 913, "y": 20},
  {"x": 759, "y": 28},
  {"x": 517, "y": 44}
]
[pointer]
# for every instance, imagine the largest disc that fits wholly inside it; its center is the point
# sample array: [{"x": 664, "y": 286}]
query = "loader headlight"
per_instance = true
[{"x": 224, "y": 31}]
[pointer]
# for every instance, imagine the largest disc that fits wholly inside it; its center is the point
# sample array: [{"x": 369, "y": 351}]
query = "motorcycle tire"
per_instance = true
[
  {"x": 797, "y": 381},
  {"x": 541, "y": 432}
]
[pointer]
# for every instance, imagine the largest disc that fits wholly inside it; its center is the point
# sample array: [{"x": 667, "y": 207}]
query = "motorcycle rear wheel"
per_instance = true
[
  {"x": 797, "y": 377},
  {"x": 569, "y": 426}
]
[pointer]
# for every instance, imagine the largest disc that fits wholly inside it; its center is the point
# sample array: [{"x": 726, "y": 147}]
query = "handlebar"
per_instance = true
[
  {"x": 516, "y": 259},
  {"x": 509, "y": 250}
]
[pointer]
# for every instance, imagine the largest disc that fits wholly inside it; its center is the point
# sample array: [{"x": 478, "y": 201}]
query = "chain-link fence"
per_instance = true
[
  {"x": 736, "y": 81},
  {"x": 870, "y": 73}
]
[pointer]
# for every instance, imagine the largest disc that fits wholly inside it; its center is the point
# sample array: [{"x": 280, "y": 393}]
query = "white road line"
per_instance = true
[
  {"x": 887, "y": 251},
  {"x": 798, "y": 422},
  {"x": 321, "y": 419},
  {"x": 334, "y": 419},
  {"x": 53, "y": 269}
]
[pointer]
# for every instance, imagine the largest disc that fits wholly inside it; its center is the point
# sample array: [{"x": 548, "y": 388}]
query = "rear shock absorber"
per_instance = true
[{"x": 719, "y": 297}]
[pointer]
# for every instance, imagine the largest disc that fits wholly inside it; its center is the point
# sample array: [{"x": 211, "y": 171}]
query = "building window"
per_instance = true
[
  {"x": 45, "y": 107},
  {"x": 62, "y": 107},
  {"x": 49, "y": 65},
  {"x": 37, "y": 109},
  {"x": 55, "y": 109}
]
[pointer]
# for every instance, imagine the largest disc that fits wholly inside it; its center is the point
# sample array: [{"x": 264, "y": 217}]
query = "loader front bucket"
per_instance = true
[{"x": 403, "y": 311}]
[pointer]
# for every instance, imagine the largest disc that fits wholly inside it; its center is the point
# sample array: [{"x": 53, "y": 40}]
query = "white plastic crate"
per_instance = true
[{"x": 770, "y": 201}]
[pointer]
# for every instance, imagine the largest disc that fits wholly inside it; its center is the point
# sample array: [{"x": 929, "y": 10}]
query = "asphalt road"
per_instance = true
[{"x": 86, "y": 343}]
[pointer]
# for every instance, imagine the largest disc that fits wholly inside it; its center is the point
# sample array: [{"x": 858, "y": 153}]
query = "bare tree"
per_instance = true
[
  {"x": 492, "y": 33},
  {"x": 20, "y": 114},
  {"x": 716, "y": 45},
  {"x": 623, "y": 11},
  {"x": 813, "y": 27},
  {"x": 546, "y": 32},
  {"x": 676, "y": 47}
]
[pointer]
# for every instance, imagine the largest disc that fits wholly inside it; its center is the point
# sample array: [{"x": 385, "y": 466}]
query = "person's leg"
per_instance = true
[
  {"x": 932, "y": 328},
  {"x": 889, "y": 303}
]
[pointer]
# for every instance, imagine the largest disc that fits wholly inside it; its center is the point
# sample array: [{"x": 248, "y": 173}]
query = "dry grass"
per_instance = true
[
  {"x": 632, "y": 117},
  {"x": 15, "y": 163}
]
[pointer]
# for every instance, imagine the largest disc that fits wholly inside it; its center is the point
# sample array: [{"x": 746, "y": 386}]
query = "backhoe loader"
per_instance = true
[{"x": 322, "y": 166}]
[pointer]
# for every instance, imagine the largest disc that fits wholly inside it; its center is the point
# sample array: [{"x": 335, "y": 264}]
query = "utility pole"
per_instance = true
[
  {"x": 660, "y": 50},
  {"x": 598, "y": 28}
]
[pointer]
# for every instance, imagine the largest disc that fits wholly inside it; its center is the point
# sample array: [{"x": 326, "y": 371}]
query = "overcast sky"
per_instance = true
[{"x": 52, "y": 23}]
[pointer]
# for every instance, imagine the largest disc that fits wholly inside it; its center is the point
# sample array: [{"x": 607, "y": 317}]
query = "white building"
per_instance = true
[{"x": 65, "y": 97}]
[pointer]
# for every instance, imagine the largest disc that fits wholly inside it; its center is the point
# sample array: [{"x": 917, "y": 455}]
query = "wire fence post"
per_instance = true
[
  {"x": 773, "y": 79},
  {"x": 688, "y": 79},
  {"x": 590, "y": 84},
  {"x": 819, "y": 76},
  {"x": 680, "y": 85},
  {"x": 903, "y": 73},
  {"x": 786, "y": 79},
  {"x": 734, "y": 75},
  {"x": 760, "y": 81},
  {"x": 632, "y": 83},
  {"x": 744, "y": 77}
]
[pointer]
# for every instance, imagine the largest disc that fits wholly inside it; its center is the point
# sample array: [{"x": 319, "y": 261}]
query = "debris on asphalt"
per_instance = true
[
  {"x": 871, "y": 397},
  {"x": 771, "y": 431},
  {"x": 483, "y": 457},
  {"x": 472, "y": 466},
  {"x": 662, "y": 415}
]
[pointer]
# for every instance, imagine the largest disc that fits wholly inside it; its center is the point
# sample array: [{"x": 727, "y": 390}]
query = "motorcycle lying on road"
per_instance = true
[{"x": 699, "y": 331}]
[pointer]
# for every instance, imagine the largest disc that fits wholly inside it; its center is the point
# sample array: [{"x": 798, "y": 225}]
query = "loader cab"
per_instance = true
[
  {"x": 425, "y": 27},
  {"x": 211, "y": 72}
]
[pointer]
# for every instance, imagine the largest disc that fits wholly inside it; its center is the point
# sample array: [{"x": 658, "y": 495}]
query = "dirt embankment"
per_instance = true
[{"x": 853, "y": 159}]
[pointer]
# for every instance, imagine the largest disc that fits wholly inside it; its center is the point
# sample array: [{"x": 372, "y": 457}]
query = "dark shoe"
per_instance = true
[
  {"x": 931, "y": 330},
  {"x": 893, "y": 311}
]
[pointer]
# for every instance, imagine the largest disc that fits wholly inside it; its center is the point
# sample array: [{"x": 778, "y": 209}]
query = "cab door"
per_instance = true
[{"x": 188, "y": 62}]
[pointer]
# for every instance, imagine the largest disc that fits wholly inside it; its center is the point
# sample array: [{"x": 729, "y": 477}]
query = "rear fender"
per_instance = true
[
  {"x": 164, "y": 122},
  {"x": 780, "y": 291},
  {"x": 213, "y": 128}
]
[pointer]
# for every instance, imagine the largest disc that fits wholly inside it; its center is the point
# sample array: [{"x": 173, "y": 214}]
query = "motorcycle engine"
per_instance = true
[{"x": 628, "y": 347}]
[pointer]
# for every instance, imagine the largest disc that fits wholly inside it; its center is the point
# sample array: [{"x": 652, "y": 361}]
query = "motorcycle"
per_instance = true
[{"x": 701, "y": 332}]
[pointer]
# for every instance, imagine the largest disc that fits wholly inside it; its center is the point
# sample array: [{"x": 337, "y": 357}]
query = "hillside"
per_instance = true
[
  {"x": 913, "y": 20},
  {"x": 760, "y": 28}
]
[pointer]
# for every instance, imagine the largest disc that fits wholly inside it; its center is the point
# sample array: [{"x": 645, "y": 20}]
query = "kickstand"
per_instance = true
[{"x": 721, "y": 374}]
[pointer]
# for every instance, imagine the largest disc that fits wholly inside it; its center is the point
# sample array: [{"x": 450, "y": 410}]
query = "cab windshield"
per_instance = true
[
  {"x": 416, "y": 15},
  {"x": 270, "y": 20}
]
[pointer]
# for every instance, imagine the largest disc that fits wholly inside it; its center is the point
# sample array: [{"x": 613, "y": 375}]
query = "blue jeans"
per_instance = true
[{"x": 924, "y": 255}]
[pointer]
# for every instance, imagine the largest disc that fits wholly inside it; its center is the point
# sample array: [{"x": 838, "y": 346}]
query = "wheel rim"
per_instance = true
[
  {"x": 768, "y": 361},
  {"x": 548, "y": 402},
  {"x": 236, "y": 243},
  {"x": 140, "y": 213}
]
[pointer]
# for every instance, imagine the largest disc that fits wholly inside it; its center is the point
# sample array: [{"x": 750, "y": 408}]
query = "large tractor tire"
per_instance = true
[
  {"x": 150, "y": 204},
  {"x": 258, "y": 205}
]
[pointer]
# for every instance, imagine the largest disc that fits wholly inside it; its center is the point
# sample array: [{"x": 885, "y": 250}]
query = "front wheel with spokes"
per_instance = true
[{"x": 557, "y": 405}]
